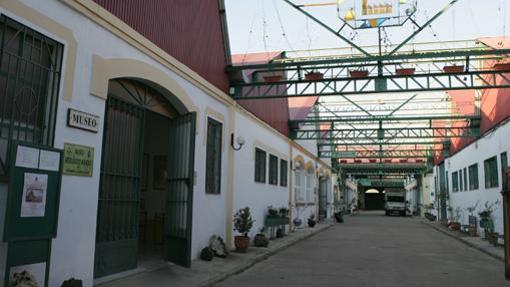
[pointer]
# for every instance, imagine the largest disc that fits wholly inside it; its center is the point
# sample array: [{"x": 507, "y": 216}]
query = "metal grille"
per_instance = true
[
  {"x": 119, "y": 194},
  {"x": 30, "y": 70}
]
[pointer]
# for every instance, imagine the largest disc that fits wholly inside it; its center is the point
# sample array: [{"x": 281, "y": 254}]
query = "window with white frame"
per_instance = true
[
  {"x": 299, "y": 185},
  {"x": 310, "y": 184}
]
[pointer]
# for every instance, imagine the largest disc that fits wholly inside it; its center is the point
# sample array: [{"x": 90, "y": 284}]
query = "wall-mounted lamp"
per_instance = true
[
  {"x": 239, "y": 140},
  {"x": 297, "y": 165}
]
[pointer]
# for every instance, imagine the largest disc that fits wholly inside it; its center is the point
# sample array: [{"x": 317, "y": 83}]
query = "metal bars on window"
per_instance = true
[
  {"x": 30, "y": 71},
  {"x": 213, "y": 157},
  {"x": 273, "y": 169},
  {"x": 260, "y": 165},
  {"x": 284, "y": 170}
]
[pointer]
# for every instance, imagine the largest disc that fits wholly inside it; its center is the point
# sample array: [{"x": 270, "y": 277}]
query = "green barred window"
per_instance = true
[
  {"x": 473, "y": 177},
  {"x": 213, "y": 157},
  {"x": 284, "y": 169},
  {"x": 30, "y": 70},
  {"x": 273, "y": 169},
  {"x": 260, "y": 165},
  {"x": 455, "y": 181},
  {"x": 491, "y": 172}
]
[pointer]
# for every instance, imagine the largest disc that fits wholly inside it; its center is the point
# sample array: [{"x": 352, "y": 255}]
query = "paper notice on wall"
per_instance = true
[
  {"x": 49, "y": 160},
  {"x": 32, "y": 272},
  {"x": 33, "y": 203},
  {"x": 27, "y": 157}
]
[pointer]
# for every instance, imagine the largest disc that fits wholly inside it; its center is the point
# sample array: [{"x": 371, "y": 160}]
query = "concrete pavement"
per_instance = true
[
  {"x": 373, "y": 250},
  {"x": 204, "y": 273}
]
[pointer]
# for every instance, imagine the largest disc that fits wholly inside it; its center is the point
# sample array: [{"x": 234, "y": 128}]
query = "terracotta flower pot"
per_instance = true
[
  {"x": 314, "y": 76},
  {"x": 472, "y": 231},
  {"x": 405, "y": 71},
  {"x": 455, "y": 226},
  {"x": 453, "y": 69},
  {"x": 273, "y": 79},
  {"x": 502, "y": 67},
  {"x": 242, "y": 243},
  {"x": 493, "y": 238},
  {"x": 359, "y": 74}
]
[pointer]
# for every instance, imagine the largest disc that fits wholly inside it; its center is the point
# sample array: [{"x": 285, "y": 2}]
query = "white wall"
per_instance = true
[
  {"x": 493, "y": 144},
  {"x": 247, "y": 192}
]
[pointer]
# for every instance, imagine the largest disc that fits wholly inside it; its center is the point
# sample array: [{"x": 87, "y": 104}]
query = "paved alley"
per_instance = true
[{"x": 374, "y": 250}]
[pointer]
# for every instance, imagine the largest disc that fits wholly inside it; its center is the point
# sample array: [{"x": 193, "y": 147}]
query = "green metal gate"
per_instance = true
[
  {"x": 323, "y": 199},
  {"x": 443, "y": 192},
  {"x": 180, "y": 190},
  {"x": 119, "y": 193}
]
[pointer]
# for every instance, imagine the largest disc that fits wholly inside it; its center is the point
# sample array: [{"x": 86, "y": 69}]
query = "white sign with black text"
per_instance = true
[{"x": 82, "y": 120}]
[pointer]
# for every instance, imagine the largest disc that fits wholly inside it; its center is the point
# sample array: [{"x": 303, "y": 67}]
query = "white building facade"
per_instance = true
[{"x": 165, "y": 175}]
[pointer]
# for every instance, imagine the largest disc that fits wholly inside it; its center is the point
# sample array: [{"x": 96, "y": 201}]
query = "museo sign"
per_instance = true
[{"x": 82, "y": 120}]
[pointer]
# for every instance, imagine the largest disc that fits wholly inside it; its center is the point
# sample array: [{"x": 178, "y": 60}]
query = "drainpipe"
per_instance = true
[{"x": 224, "y": 29}]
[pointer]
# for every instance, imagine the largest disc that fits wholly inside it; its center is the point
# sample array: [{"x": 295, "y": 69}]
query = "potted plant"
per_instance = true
[
  {"x": 486, "y": 217},
  {"x": 273, "y": 78},
  {"x": 311, "y": 220},
  {"x": 243, "y": 223},
  {"x": 260, "y": 239},
  {"x": 361, "y": 73},
  {"x": 272, "y": 212},
  {"x": 339, "y": 217},
  {"x": 297, "y": 220},
  {"x": 314, "y": 76},
  {"x": 405, "y": 71},
  {"x": 72, "y": 283},
  {"x": 280, "y": 232},
  {"x": 504, "y": 66},
  {"x": 453, "y": 68},
  {"x": 206, "y": 254},
  {"x": 492, "y": 237},
  {"x": 473, "y": 226},
  {"x": 428, "y": 214},
  {"x": 284, "y": 212},
  {"x": 456, "y": 215}
]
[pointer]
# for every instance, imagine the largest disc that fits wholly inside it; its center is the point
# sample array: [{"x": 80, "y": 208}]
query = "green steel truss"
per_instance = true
[
  {"x": 373, "y": 84},
  {"x": 383, "y": 154},
  {"x": 386, "y": 133},
  {"x": 384, "y": 169},
  {"x": 368, "y": 119},
  {"x": 433, "y": 71},
  {"x": 381, "y": 183}
]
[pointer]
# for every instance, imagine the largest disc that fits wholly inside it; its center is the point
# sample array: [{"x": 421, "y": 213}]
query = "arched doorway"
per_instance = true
[
  {"x": 145, "y": 195},
  {"x": 374, "y": 199}
]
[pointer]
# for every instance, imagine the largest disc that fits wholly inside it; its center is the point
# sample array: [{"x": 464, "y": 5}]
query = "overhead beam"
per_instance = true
[
  {"x": 386, "y": 133},
  {"x": 384, "y": 154},
  {"x": 482, "y": 79},
  {"x": 337, "y": 62},
  {"x": 386, "y": 143},
  {"x": 365, "y": 119}
]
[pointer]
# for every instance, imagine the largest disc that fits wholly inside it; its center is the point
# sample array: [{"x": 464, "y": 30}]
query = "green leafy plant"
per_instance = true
[
  {"x": 243, "y": 222},
  {"x": 271, "y": 211}
]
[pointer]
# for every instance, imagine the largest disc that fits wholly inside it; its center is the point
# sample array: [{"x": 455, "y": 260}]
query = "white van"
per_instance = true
[{"x": 395, "y": 202}]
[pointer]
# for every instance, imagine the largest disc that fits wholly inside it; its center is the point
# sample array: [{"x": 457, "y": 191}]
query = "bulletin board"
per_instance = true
[{"x": 34, "y": 193}]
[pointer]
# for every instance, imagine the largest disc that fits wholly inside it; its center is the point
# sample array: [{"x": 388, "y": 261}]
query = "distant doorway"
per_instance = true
[{"x": 374, "y": 200}]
